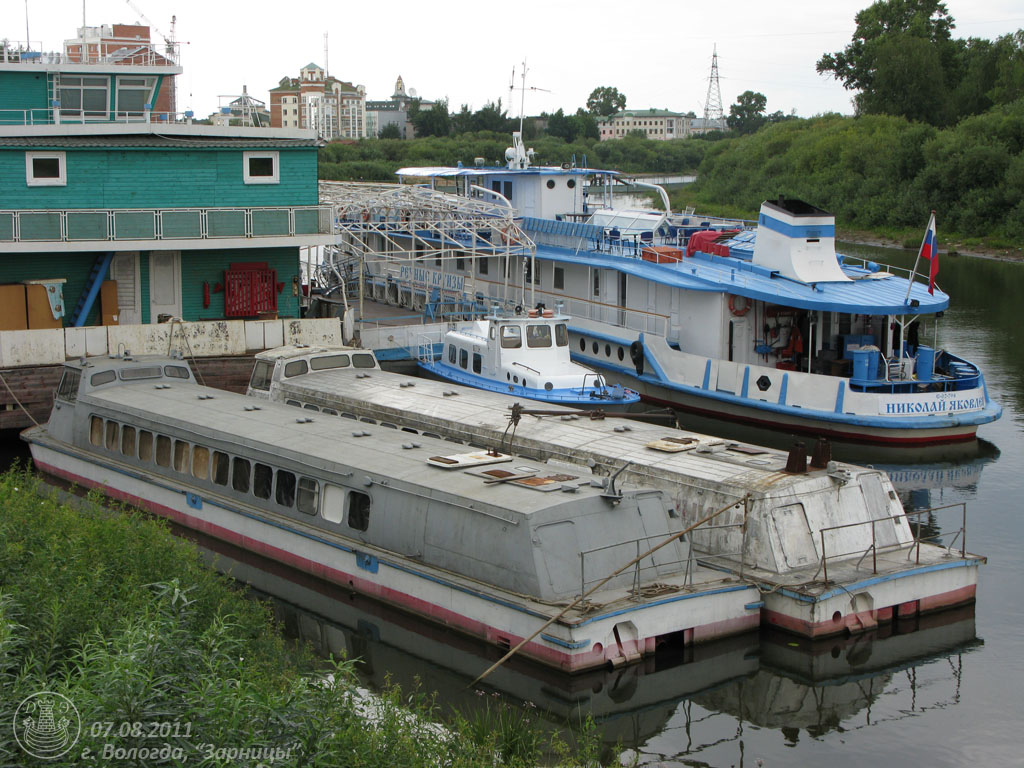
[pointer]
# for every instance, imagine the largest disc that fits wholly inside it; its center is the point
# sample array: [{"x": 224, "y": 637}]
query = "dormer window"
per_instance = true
[
  {"x": 261, "y": 168},
  {"x": 45, "y": 169}
]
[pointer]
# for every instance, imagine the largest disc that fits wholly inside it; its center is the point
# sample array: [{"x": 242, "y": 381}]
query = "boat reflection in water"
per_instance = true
[
  {"x": 929, "y": 478},
  {"x": 659, "y": 707}
]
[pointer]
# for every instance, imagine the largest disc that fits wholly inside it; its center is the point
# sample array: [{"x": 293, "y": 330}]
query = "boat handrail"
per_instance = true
[
  {"x": 689, "y": 561},
  {"x": 874, "y": 549},
  {"x": 598, "y": 381},
  {"x": 425, "y": 349},
  {"x": 524, "y": 365}
]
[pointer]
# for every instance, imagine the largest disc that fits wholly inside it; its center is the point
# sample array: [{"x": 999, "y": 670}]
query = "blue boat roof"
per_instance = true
[{"x": 871, "y": 293}]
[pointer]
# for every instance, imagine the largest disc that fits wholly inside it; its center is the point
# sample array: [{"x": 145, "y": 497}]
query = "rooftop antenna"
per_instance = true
[
  {"x": 523, "y": 89},
  {"x": 327, "y": 70},
  {"x": 713, "y": 103}
]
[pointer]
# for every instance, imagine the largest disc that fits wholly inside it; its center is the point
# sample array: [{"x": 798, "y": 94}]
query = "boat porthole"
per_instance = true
[
  {"x": 595, "y": 347},
  {"x": 571, "y": 183},
  {"x": 583, "y": 345},
  {"x": 607, "y": 350},
  {"x": 508, "y": 376},
  {"x": 548, "y": 386},
  {"x": 551, "y": 183},
  {"x": 515, "y": 379},
  {"x": 622, "y": 354}
]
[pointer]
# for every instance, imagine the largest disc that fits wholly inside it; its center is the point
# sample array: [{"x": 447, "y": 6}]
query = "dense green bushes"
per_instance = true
[
  {"x": 878, "y": 172},
  {"x": 121, "y": 617},
  {"x": 378, "y": 159}
]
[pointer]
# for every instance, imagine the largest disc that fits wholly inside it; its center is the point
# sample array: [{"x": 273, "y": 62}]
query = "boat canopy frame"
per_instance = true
[{"x": 391, "y": 226}]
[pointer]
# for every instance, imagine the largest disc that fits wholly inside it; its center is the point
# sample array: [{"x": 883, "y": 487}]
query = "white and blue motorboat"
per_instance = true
[
  {"x": 766, "y": 325},
  {"x": 524, "y": 354}
]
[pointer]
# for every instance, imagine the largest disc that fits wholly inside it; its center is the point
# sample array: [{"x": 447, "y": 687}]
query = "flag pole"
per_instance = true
[{"x": 913, "y": 272}]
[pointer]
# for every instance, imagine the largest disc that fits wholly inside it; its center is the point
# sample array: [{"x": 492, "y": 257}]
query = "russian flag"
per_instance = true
[{"x": 930, "y": 251}]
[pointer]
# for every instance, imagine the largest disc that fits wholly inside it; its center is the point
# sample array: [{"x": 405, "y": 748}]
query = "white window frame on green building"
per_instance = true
[
  {"x": 260, "y": 177},
  {"x": 127, "y": 89},
  {"x": 33, "y": 169},
  {"x": 95, "y": 108}
]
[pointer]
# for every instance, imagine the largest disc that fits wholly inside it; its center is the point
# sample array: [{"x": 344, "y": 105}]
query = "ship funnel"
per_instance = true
[
  {"x": 796, "y": 462},
  {"x": 798, "y": 241}
]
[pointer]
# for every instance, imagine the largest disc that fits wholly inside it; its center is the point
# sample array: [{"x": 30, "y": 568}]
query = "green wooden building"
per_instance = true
[{"x": 191, "y": 221}]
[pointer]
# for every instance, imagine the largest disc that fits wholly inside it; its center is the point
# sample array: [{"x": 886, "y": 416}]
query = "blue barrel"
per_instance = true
[
  {"x": 865, "y": 364},
  {"x": 925, "y": 367}
]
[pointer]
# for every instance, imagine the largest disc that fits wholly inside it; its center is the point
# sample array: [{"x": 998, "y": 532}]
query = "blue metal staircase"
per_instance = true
[{"x": 96, "y": 277}]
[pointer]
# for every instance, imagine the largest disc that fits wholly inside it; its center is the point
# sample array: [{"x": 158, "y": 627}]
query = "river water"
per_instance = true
[{"x": 944, "y": 690}]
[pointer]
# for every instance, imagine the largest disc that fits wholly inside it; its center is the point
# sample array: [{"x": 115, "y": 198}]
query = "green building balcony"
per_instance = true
[{"x": 158, "y": 229}]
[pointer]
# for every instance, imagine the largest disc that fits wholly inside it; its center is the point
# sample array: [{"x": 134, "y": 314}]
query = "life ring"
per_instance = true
[
  {"x": 507, "y": 239},
  {"x": 366, "y": 215},
  {"x": 636, "y": 354},
  {"x": 741, "y": 310}
]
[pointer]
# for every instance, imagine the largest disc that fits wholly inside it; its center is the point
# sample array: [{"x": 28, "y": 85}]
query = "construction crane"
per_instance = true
[
  {"x": 170, "y": 51},
  {"x": 168, "y": 39}
]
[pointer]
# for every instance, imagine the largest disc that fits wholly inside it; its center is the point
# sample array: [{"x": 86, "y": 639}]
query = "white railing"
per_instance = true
[
  {"x": 72, "y": 226},
  {"x": 63, "y": 116},
  {"x": 141, "y": 54}
]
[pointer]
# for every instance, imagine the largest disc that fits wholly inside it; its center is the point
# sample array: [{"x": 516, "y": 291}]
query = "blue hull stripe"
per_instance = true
[
  {"x": 657, "y": 377},
  {"x": 969, "y": 562},
  {"x": 797, "y": 231}
]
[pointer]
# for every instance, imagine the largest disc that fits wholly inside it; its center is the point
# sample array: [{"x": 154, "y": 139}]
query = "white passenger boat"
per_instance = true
[
  {"x": 829, "y": 545},
  {"x": 767, "y": 327},
  {"x": 522, "y": 354},
  {"x": 482, "y": 541}
]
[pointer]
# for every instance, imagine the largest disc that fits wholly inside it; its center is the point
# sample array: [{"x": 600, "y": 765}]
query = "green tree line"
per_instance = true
[
  {"x": 880, "y": 171},
  {"x": 378, "y": 159}
]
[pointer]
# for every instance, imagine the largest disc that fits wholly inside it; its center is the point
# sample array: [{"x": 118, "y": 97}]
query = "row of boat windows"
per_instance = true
[
  {"x": 280, "y": 486},
  {"x": 596, "y": 349},
  {"x": 67, "y": 390},
  {"x": 263, "y": 371},
  {"x": 460, "y": 357},
  {"x": 537, "y": 336}
]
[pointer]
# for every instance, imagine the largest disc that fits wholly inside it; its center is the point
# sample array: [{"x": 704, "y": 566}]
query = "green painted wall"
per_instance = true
[
  {"x": 160, "y": 178},
  {"x": 197, "y": 267},
  {"x": 22, "y": 90}
]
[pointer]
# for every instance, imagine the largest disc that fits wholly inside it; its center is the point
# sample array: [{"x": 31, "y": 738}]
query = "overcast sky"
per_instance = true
[{"x": 658, "y": 53}]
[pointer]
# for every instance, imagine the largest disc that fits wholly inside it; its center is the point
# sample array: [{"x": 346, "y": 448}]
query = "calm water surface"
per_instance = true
[{"x": 942, "y": 691}]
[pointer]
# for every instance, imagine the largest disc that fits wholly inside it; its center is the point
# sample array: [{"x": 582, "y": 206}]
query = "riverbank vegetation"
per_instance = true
[
  {"x": 167, "y": 663},
  {"x": 378, "y": 159}
]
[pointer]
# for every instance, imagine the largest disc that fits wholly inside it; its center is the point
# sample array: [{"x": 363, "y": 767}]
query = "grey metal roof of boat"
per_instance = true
[
  {"x": 727, "y": 464},
  {"x": 325, "y": 442}
]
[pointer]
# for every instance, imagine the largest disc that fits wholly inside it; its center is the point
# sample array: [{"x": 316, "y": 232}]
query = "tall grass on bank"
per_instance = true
[{"x": 121, "y": 617}]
